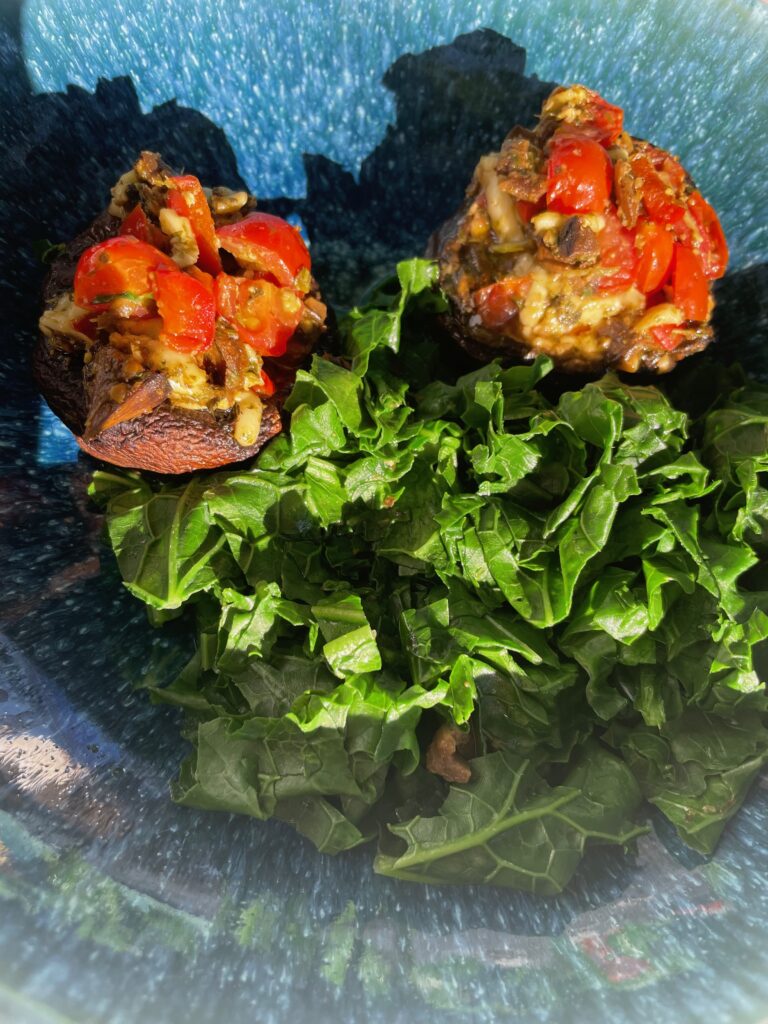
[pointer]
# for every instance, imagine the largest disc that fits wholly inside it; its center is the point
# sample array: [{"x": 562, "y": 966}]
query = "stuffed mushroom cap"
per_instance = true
[
  {"x": 582, "y": 243},
  {"x": 174, "y": 325}
]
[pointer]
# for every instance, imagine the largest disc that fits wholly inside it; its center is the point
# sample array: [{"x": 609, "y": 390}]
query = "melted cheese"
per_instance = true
[
  {"x": 120, "y": 194},
  {"x": 559, "y": 313},
  {"x": 184, "y": 250},
  {"x": 188, "y": 381},
  {"x": 60, "y": 319},
  {"x": 502, "y": 208},
  {"x": 248, "y": 422}
]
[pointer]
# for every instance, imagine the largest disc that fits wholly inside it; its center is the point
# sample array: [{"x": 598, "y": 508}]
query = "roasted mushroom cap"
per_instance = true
[{"x": 162, "y": 439}]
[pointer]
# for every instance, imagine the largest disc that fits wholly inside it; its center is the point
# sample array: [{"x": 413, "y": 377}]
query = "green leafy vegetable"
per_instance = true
[
  {"x": 558, "y": 601},
  {"x": 523, "y": 833},
  {"x": 166, "y": 545}
]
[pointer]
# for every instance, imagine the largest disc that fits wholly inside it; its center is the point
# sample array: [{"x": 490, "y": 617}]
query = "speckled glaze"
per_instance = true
[{"x": 117, "y": 906}]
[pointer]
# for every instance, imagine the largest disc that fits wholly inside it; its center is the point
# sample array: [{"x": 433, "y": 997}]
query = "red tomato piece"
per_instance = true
[
  {"x": 269, "y": 243},
  {"x": 667, "y": 336},
  {"x": 690, "y": 289},
  {"x": 713, "y": 247},
  {"x": 207, "y": 280},
  {"x": 660, "y": 202},
  {"x": 267, "y": 386},
  {"x": 265, "y": 316},
  {"x": 592, "y": 117},
  {"x": 188, "y": 310},
  {"x": 497, "y": 304},
  {"x": 527, "y": 210},
  {"x": 117, "y": 268},
  {"x": 579, "y": 176},
  {"x": 663, "y": 161},
  {"x": 656, "y": 245},
  {"x": 674, "y": 171},
  {"x": 86, "y": 325},
  {"x": 188, "y": 200},
  {"x": 618, "y": 255},
  {"x": 135, "y": 223},
  {"x": 606, "y": 120}
]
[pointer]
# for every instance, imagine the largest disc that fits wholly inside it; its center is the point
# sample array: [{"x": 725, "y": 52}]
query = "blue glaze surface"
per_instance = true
[
  {"x": 115, "y": 904},
  {"x": 286, "y": 78}
]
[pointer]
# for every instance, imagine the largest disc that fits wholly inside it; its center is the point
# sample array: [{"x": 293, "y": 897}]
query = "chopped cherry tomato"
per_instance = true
[
  {"x": 587, "y": 114},
  {"x": 606, "y": 121},
  {"x": 618, "y": 255},
  {"x": 663, "y": 161},
  {"x": 579, "y": 176},
  {"x": 690, "y": 289},
  {"x": 713, "y": 247},
  {"x": 188, "y": 310},
  {"x": 673, "y": 170},
  {"x": 661, "y": 204},
  {"x": 267, "y": 386},
  {"x": 667, "y": 336},
  {"x": 497, "y": 304},
  {"x": 269, "y": 243},
  {"x": 656, "y": 245},
  {"x": 136, "y": 223},
  {"x": 188, "y": 200},
  {"x": 86, "y": 325},
  {"x": 207, "y": 280},
  {"x": 118, "y": 268},
  {"x": 265, "y": 316},
  {"x": 527, "y": 210}
]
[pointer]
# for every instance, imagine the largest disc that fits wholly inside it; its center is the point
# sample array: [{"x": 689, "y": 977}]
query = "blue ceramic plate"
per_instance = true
[{"x": 118, "y": 906}]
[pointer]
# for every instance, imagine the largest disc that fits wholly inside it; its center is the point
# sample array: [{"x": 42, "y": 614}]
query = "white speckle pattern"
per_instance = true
[{"x": 286, "y": 78}]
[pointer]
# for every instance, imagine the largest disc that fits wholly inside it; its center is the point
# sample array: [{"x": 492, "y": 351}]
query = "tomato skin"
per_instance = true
[
  {"x": 656, "y": 246},
  {"x": 119, "y": 267},
  {"x": 264, "y": 315},
  {"x": 269, "y": 242},
  {"x": 579, "y": 175},
  {"x": 526, "y": 210},
  {"x": 206, "y": 280},
  {"x": 617, "y": 251},
  {"x": 497, "y": 304},
  {"x": 674, "y": 171},
  {"x": 690, "y": 289},
  {"x": 606, "y": 120},
  {"x": 713, "y": 248},
  {"x": 661, "y": 206},
  {"x": 188, "y": 311},
  {"x": 86, "y": 325},
  {"x": 267, "y": 386},
  {"x": 188, "y": 200},
  {"x": 137, "y": 223},
  {"x": 667, "y": 337}
]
